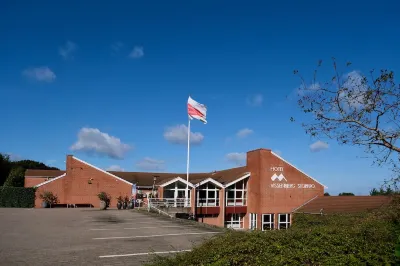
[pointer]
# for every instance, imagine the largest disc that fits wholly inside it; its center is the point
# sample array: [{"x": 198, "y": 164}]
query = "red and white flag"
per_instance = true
[{"x": 197, "y": 110}]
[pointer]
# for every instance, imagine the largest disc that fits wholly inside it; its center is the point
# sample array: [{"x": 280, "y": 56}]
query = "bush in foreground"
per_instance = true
[
  {"x": 17, "y": 197},
  {"x": 362, "y": 239}
]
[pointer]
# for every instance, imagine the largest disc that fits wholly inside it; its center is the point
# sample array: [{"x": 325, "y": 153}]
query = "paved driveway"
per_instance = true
[{"x": 91, "y": 237}]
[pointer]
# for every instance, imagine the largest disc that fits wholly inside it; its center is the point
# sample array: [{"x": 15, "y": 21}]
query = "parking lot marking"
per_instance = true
[
  {"x": 135, "y": 228},
  {"x": 127, "y": 237},
  {"x": 144, "y": 254}
]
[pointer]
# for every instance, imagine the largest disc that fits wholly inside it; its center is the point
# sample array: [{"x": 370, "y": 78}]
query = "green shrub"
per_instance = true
[
  {"x": 17, "y": 197},
  {"x": 358, "y": 239}
]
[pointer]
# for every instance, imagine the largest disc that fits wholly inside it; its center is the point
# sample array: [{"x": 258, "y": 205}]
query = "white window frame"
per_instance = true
[
  {"x": 235, "y": 201},
  {"x": 287, "y": 222},
  {"x": 208, "y": 201},
  {"x": 271, "y": 222},
  {"x": 236, "y": 221},
  {"x": 253, "y": 221},
  {"x": 178, "y": 201}
]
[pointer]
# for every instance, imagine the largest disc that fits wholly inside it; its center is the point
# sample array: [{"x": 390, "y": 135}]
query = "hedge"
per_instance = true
[
  {"x": 358, "y": 239},
  {"x": 17, "y": 197}
]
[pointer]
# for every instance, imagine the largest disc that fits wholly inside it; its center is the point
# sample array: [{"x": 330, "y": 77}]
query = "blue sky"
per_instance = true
[{"x": 114, "y": 79}]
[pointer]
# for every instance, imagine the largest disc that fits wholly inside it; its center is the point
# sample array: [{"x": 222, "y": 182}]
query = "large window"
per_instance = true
[
  {"x": 283, "y": 221},
  {"x": 268, "y": 221},
  {"x": 234, "y": 220},
  {"x": 207, "y": 195},
  {"x": 236, "y": 194},
  {"x": 175, "y": 194},
  {"x": 253, "y": 221}
]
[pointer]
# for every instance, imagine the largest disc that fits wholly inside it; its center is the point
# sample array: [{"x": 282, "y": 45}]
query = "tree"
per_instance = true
[
  {"x": 16, "y": 178},
  {"x": 326, "y": 194},
  {"x": 346, "y": 194},
  {"x": 5, "y": 167},
  {"x": 354, "y": 109},
  {"x": 30, "y": 164},
  {"x": 383, "y": 191}
]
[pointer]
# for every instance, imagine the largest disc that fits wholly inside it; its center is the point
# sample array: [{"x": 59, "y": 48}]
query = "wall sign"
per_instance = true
[
  {"x": 285, "y": 185},
  {"x": 276, "y": 168}
]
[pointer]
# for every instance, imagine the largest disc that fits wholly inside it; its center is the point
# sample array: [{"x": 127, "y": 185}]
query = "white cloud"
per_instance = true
[
  {"x": 255, "y": 100},
  {"x": 43, "y": 73},
  {"x": 117, "y": 46},
  {"x": 115, "y": 168},
  {"x": 355, "y": 96},
  {"x": 178, "y": 135},
  {"x": 137, "y": 52},
  {"x": 93, "y": 141},
  {"x": 238, "y": 158},
  {"x": 151, "y": 164},
  {"x": 319, "y": 146},
  {"x": 14, "y": 157},
  {"x": 244, "y": 132},
  {"x": 67, "y": 50}
]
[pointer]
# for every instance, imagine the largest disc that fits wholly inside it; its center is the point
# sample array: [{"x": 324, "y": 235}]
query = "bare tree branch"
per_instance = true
[{"x": 355, "y": 110}]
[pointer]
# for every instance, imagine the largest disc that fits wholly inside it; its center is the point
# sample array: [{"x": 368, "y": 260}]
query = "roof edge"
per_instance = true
[
  {"x": 304, "y": 204},
  {"x": 279, "y": 157},
  {"x": 209, "y": 179},
  {"x": 50, "y": 180},
  {"x": 103, "y": 171},
  {"x": 178, "y": 178},
  {"x": 238, "y": 179}
]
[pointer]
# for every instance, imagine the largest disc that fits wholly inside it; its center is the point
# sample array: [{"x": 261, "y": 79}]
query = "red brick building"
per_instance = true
[{"x": 263, "y": 194}]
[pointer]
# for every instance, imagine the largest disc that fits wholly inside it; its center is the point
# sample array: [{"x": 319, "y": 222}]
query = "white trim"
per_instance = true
[
  {"x": 237, "y": 180},
  {"x": 50, "y": 180},
  {"x": 276, "y": 155},
  {"x": 253, "y": 221},
  {"x": 271, "y": 222},
  {"x": 305, "y": 203},
  {"x": 101, "y": 170},
  {"x": 287, "y": 217},
  {"x": 209, "y": 180},
  {"x": 175, "y": 180}
]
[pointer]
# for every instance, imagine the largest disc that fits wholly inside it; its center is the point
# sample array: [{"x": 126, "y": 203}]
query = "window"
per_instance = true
[
  {"x": 253, "y": 221},
  {"x": 236, "y": 194},
  {"x": 267, "y": 222},
  {"x": 284, "y": 221},
  {"x": 208, "y": 195},
  {"x": 234, "y": 220},
  {"x": 175, "y": 194}
]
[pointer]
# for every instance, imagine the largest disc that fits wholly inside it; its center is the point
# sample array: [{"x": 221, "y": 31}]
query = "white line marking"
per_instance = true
[
  {"x": 144, "y": 254},
  {"x": 126, "y": 237},
  {"x": 134, "y": 228}
]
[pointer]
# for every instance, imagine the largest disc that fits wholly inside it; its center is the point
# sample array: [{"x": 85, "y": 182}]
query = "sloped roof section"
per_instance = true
[
  {"x": 279, "y": 157},
  {"x": 43, "y": 173},
  {"x": 344, "y": 204},
  {"x": 147, "y": 178}
]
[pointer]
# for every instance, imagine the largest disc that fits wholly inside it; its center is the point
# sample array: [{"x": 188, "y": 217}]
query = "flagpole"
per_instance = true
[{"x": 187, "y": 163}]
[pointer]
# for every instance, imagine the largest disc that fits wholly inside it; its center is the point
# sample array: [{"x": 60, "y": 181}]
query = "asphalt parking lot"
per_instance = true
[{"x": 91, "y": 237}]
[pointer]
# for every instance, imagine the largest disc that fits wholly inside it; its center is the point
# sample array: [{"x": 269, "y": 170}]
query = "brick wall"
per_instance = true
[
  {"x": 33, "y": 181},
  {"x": 75, "y": 187},
  {"x": 280, "y": 196}
]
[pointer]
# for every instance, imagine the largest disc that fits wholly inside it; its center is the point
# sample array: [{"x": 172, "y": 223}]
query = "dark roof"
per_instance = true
[
  {"x": 146, "y": 178},
  {"x": 43, "y": 173},
  {"x": 344, "y": 204}
]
